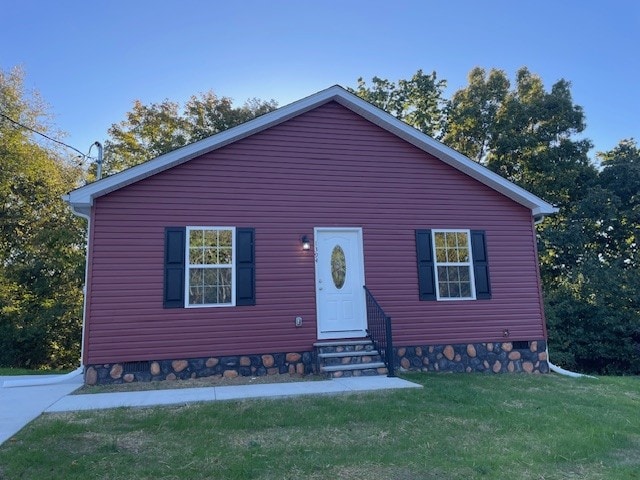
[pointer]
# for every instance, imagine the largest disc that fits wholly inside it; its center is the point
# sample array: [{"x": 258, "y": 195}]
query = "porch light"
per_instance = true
[{"x": 306, "y": 244}]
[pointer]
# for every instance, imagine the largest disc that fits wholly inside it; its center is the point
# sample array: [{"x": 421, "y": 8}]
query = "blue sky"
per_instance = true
[{"x": 91, "y": 59}]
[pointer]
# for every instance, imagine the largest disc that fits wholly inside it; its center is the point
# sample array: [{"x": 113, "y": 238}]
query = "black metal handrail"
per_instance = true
[{"x": 379, "y": 331}]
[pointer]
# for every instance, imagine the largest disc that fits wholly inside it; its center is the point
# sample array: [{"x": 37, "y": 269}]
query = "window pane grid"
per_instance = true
[
  {"x": 453, "y": 264},
  {"x": 209, "y": 285},
  {"x": 454, "y": 282},
  {"x": 210, "y": 269},
  {"x": 210, "y": 247}
]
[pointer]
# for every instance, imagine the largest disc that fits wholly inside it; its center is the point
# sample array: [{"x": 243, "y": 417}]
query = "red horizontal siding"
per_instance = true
[{"x": 327, "y": 167}]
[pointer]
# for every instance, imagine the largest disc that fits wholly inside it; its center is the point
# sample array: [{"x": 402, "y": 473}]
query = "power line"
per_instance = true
[{"x": 42, "y": 134}]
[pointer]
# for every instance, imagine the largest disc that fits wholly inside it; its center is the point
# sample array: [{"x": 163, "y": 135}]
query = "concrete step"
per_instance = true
[
  {"x": 359, "y": 353},
  {"x": 338, "y": 343},
  {"x": 352, "y": 366},
  {"x": 355, "y": 370},
  {"x": 344, "y": 361},
  {"x": 349, "y": 358},
  {"x": 346, "y": 347}
]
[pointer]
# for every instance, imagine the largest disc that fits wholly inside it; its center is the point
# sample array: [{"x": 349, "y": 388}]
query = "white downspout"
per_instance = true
[
  {"x": 86, "y": 276},
  {"x": 567, "y": 373}
]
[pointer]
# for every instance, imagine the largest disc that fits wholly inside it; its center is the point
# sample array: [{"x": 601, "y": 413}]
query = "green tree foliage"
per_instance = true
[
  {"x": 593, "y": 319},
  {"x": 530, "y": 136},
  {"x": 418, "y": 101},
  {"x": 593, "y": 293},
  {"x": 472, "y": 113},
  {"x": 589, "y": 249},
  {"x": 207, "y": 114},
  {"x": 526, "y": 134},
  {"x": 41, "y": 242},
  {"x": 621, "y": 177},
  {"x": 147, "y": 132},
  {"x": 537, "y": 146},
  {"x": 152, "y": 130}
]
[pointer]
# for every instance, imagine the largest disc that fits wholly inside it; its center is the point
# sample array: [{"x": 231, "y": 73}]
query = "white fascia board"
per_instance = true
[{"x": 83, "y": 197}]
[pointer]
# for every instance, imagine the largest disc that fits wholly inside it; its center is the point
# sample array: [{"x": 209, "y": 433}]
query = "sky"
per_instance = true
[{"x": 91, "y": 59}]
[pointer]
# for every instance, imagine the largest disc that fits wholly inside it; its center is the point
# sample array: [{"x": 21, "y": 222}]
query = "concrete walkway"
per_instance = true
[
  {"x": 20, "y": 405},
  {"x": 149, "y": 398}
]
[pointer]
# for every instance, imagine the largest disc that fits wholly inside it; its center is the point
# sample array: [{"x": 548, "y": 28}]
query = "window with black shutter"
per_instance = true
[
  {"x": 209, "y": 266},
  {"x": 452, "y": 265}
]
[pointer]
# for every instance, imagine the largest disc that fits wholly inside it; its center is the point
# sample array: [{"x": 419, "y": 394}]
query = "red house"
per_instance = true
[{"x": 248, "y": 252}]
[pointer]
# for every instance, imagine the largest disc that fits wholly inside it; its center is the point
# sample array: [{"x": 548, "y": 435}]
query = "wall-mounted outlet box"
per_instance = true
[{"x": 298, "y": 321}]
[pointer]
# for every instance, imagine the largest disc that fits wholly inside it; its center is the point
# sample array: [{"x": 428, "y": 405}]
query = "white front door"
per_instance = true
[{"x": 340, "y": 295}]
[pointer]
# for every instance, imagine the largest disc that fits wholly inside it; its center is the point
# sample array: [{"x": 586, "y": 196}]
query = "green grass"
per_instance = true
[
  {"x": 5, "y": 371},
  {"x": 462, "y": 426}
]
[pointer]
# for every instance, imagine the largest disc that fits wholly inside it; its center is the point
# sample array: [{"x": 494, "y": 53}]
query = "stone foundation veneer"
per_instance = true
[
  {"x": 230, "y": 366},
  {"x": 494, "y": 357}
]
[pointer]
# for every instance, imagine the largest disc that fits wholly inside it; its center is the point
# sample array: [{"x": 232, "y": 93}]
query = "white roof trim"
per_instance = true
[{"x": 82, "y": 198}]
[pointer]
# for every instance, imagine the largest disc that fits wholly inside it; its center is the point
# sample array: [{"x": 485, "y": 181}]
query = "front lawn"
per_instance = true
[{"x": 458, "y": 426}]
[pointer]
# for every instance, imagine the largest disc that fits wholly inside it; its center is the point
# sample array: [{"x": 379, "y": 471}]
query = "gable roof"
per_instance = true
[{"x": 82, "y": 198}]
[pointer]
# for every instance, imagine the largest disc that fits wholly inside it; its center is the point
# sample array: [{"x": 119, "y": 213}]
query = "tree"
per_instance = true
[
  {"x": 147, "y": 132},
  {"x": 588, "y": 250},
  {"x": 206, "y": 114},
  {"x": 417, "y": 101},
  {"x": 594, "y": 319},
  {"x": 621, "y": 177},
  {"x": 152, "y": 130},
  {"x": 593, "y": 295},
  {"x": 536, "y": 146},
  {"x": 471, "y": 126},
  {"x": 525, "y": 134},
  {"x": 41, "y": 242}
]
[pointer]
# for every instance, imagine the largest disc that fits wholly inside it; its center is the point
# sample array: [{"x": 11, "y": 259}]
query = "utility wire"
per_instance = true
[{"x": 42, "y": 134}]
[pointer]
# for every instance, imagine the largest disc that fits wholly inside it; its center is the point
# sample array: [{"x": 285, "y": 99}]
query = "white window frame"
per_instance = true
[
  {"x": 437, "y": 264},
  {"x": 189, "y": 266}
]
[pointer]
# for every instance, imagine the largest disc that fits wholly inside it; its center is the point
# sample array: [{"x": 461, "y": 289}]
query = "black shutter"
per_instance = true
[
  {"x": 174, "y": 238},
  {"x": 426, "y": 274},
  {"x": 245, "y": 267},
  {"x": 480, "y": 265}
]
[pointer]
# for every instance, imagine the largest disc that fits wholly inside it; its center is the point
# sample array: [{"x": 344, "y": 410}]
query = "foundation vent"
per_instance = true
[{"x": 135, "y": 367}]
